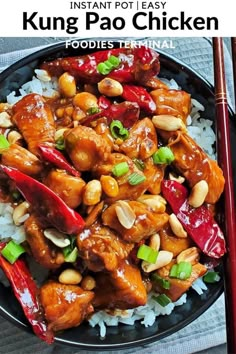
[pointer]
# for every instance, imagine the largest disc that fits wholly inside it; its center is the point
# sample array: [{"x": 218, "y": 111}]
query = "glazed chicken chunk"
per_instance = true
[
  {"x": 137, "y": 221},
  {"x": 85, "y": 147},
  {"x": 34, "y": 119},
  {"x": 124, "y": 288},
  {"x": 101, "y": 248},
  {"x": 42, "y": 249},
  {"x": 194, "y": 164},
  {"x": 65, "y": 306}
]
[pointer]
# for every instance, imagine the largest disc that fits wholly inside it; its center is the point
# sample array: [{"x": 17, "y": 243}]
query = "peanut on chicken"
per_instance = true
[{"x": 146, "y": 222}]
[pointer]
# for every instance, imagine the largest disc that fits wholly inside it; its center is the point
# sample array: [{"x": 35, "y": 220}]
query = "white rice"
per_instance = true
[
  {"x": 7, "y": 227},
  {"x": 198, "y": 128},
  {"x": 42, "y": 84},
  {"x": 146, "y": 314}
]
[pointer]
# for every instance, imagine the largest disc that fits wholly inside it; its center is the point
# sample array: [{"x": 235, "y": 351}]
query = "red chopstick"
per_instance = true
[
  {"x": 224, "y": 156},
  {"x": 233, "y": 46}
]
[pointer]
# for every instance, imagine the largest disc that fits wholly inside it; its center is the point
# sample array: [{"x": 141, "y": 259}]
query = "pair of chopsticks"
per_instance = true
[{"x": 225, "y": 161}]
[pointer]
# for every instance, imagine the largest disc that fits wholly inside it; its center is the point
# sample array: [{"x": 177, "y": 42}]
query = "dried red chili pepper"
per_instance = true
[
  {"x": 126, "y": 112},
  {"x": 198, "y": 222},
  {"x": 137, "y": 65},
  {"x": 26, "y": 292},
  {"x": 104, "y": 102},
  {"x": 46, "y": 203},
  {"x": 57, "y": 158},
  {"x": 139, "y": 95}
]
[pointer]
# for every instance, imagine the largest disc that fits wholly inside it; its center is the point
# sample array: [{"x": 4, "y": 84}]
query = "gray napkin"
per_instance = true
[{"x": 209, "y": 329}]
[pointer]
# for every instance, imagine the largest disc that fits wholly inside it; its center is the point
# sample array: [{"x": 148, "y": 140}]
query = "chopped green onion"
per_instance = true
[
  {"x": 60, "y": 143},
  {"x": 147, "y": 254},
  {"x": 139, "y": 164},
  {"x": 135, "y": 178},
  {"x": 93, "y": 110},
  {"x": 103, "y": 69},
  {"x": 108, "y": 65},
  {"x": 120, "y": 169},
  {"x": 181, "y": 271},
  {"x": 118, "y": 130},
  {"x": 164, "y": 155},
  {"x": 4, "y": 144},
  {"x": 162, "y": 300},
  {"x": 164, "y": 283},
  {"x": 211, "y": 277},
  {"x": 71, "y": 256},
  {"x": 115, "y": 61},
  {"x": 12, "y": 251}
]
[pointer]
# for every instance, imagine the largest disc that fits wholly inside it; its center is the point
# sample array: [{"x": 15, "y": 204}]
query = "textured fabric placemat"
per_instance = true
[{"x": 209, "y": 329}]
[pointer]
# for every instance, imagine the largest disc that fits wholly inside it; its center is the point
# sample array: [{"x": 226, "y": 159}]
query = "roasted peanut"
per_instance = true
[
  {"x": 179, "y": 179},
  {"x": 67, "y": 85},
  {"x": 4, "y": 106},
  {"x": 78, "y": 114},
  {"x": 60, "y": 112},
  {"x": 168, "y": 123},
  {"x": 109, "y": 185},
  {"x": 110, "y": 87},
  {"x": 125, "y": 214},
  {"x": 60, "y": 133},
  {"x": 69, "y": 111},
  {"x": 59, "y": 258},
  {"x": 163, "y": 258},
  {"x": 156, "y": 202},
  {"x": 191, "y": 255},
  {"x": 14, "y": 137},
  {"x": 154, "y": 242},
  {"x": 20, "y": 213},
  {"x": 56, "y": 237},
  {"x": 70, "y": 277},
  {"x": 5, "y": 120},
  {"x": 88, "y": 283},
  {"x": 85, "y": 101},
  {"x": 177, "y": 227},
  {"x": 92, "y": 192},
  {"x": 198, "y": 194}
]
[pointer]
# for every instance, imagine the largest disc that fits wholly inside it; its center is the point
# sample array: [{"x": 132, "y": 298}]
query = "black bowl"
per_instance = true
[{"x": 122, "y": 336}]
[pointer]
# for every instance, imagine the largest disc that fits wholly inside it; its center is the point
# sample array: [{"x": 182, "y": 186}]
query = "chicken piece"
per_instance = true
[
  {"x": 121, "y": 289},
  {"x": 35, "y": 121},
  {"x": 85, "y": 147},
  {"x": 194, "y": 164},
  {"x": 179, "y": 287},
  {"x": 44, "y": 252},
  {"x": 18, "y": 157},
  {"x": 142, "y": 140},
  {"x": 67, "y": 187},
  {"x": 171, "y": 243},
  {"x": 126, "y": 191},
  {"x": 103, "y": 130},
  {"x": 101, "y": 248},
  {"x": 145, "y": 224},
  {"x": 65, "y": 306},
  {"x": 155, "y": 83},
  {"x": 154, "y": 175},
  {"x": 172, "y": 102}
]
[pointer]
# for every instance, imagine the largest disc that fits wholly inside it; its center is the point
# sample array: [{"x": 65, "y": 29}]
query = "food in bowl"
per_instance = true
[{"x": 107, "y": 191}]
